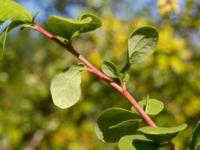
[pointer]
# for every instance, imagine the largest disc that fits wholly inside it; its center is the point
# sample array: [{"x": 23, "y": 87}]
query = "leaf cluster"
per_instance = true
[{"x": 126, "y": 128}]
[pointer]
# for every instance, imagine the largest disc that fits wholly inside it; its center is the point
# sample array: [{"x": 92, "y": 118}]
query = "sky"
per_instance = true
[{"x": 46, "y": 8}]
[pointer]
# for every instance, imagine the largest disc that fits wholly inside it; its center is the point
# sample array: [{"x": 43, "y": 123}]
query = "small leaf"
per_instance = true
[
  {"x": 114, "y": 123},
  {"x": 152, "y": 106},
  {"x": 68, "y": 29},
  {"x": 110, "y": 69},
  {"x": 137, "y": 142},
  {"x": 12, "y": 10},
  {"x": 124, "y": 77},
  {"x": 141, "y": 44},
  {"x": 34, "y": 16},
  {"x": 92, "y": 25},
  {"x": 65, "y": 87},
  {"x": 3, "y": 41},
  {"x": 195, "y": 143},
  {"x": 161, "y": 134}
]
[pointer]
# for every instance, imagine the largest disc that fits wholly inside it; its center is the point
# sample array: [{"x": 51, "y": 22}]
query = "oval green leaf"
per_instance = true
[
  {"x": 195, "y": 143},
  {"x": 114, "y": 123},
  {"x": 65, "y": 87},
  {"x": 68, "y": 28},
  {"x": 151, "y": 106},
  {"x": 141, "y": 44},
  {"x": 161, "y": 134}
]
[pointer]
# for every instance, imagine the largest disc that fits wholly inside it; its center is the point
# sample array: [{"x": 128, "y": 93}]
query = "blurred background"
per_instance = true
[{"x": 28, "y": 118}]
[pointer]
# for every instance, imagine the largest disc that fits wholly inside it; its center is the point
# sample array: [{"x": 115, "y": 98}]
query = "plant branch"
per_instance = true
[
  {"x": 101, "y": 75},
  {"x": 98, "y": 73}
]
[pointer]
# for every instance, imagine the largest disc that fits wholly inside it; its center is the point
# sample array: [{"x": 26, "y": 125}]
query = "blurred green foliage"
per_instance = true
[{"x": 28, "y": 118}]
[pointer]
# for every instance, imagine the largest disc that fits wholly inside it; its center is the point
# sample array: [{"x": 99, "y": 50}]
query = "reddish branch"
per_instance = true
[{"x": 101, "y": 75}]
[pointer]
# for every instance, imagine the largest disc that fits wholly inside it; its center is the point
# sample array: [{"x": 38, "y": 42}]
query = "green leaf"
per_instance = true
[
  {"x": 3, "y": 41},
  {"x": 137, "y": 142},
  {"x": 141, "y": 44},
  {"x": 94, "y": 23},
  {"x": 114, "y": 123},
  {"x": 195, "y": 143},
  {"x": 65, "y": 87},
  {"x": 110, "y": 69},
  {"x": 161, "y": 134},
  {"x": 68, "y": 29},
  {"x": 151, "y": 106},
  {"x": 34, "y": 16},
  {"x": 12, "y": 10}
]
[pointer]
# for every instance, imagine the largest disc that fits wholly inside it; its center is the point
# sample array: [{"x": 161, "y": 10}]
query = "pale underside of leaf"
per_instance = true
[
  {"x": 151, "y": 106},
  {"x": 65, "y": 88}
]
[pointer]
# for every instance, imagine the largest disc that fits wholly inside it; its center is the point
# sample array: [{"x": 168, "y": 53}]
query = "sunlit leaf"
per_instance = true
[
  {"x": 67, "y": 28},
  {"x": 141, "y": 44},
  {"x": 114, "y": 123},
  {"x": 11, "y": 10},
  {"x": 161, "y": 134},
  {"x": 65, "y": 87},
  {"x": 94, "y": 23},
  {"x": 151, "y": 106}
]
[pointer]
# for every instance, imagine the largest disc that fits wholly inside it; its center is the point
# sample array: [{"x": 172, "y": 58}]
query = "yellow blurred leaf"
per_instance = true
[
  {"x": 192, "y": 107},
  {"x": 95, "y": 58},
  {"x": 176, "y": 64}
]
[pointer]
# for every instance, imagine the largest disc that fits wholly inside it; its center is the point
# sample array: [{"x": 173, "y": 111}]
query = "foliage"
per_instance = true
[
  {"x": 68, "y": 29},
  {"x": 137, "y": 142},
  {"x": 114, "y": 123},
  {"x": 175, "y": 65},
  {"x": 161, "y": 134},
  {"x": 17, "y": 17},
  {"x": 65, "y": 87},
  {"x": 151, "y": 106}
]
